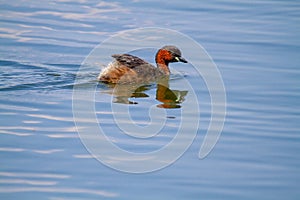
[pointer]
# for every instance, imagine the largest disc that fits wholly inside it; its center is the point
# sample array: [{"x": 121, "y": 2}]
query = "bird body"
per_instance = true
[{"x": 127, "y": 68}]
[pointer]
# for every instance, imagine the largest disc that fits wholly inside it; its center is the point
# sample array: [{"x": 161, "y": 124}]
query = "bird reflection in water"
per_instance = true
[{"x": 167, "y": 97}]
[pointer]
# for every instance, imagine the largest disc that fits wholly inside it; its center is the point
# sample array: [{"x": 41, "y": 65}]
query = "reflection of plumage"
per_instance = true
[{"x": 169, "y": 98}]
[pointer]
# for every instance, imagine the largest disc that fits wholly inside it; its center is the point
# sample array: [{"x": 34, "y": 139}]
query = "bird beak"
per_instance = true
[{"x": 181, "y": 59}]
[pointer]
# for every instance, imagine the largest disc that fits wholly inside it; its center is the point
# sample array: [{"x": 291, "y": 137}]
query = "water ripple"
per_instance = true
[{"x": 16, "y": 76}]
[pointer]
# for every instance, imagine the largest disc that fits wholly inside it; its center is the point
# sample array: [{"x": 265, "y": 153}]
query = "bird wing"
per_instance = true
[{"x": 129, "y": 60}]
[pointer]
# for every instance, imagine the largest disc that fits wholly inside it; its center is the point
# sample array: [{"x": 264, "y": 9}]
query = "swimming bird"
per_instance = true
[{"x": 127, "y": 68}]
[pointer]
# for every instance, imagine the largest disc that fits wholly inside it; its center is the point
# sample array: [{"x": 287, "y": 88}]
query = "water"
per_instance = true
[{"x": 255, "y": 46}]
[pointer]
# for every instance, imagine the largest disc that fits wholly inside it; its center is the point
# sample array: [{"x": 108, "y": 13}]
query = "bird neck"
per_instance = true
[{"x": 162, "y": 60}]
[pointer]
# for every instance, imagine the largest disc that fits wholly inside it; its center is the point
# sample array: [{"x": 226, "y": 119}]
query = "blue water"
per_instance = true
[{"x": 256, "y": 48}]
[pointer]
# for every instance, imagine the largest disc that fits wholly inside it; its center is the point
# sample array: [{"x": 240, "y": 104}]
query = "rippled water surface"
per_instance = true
[{"x": 255, "y": 46}]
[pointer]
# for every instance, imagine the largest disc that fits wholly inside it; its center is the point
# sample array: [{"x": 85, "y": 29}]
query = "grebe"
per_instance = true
[{"x": 127, "y": 68}]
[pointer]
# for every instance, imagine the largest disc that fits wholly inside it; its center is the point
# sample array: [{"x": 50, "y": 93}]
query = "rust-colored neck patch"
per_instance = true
[{"x": 163, "y": 57}]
